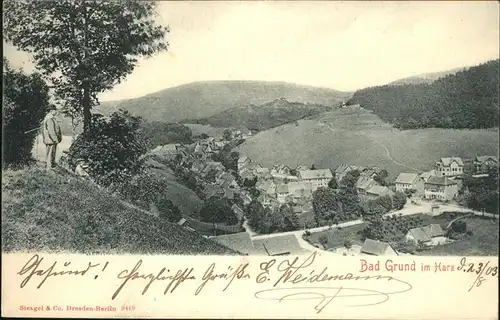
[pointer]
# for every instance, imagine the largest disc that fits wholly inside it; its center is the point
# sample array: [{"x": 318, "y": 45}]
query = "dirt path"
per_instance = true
[{"x": 388, "y": 154}]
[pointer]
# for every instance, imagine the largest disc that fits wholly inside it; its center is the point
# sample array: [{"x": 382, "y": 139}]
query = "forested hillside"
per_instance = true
[
  {"x": 467, "y": 99},
  {"x": 263, "y": 117}
]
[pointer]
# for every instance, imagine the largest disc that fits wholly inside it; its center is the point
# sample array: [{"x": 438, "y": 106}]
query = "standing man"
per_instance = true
[{"x": 51, "y": 132}]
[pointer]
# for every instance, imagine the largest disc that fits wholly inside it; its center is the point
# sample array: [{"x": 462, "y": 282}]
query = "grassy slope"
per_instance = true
[
  {"x": 54, "y": 212},
  {"x": 203, "y": 99},
  {"x": 353, "y": 136},
  {"x": 181, "y": 196}
]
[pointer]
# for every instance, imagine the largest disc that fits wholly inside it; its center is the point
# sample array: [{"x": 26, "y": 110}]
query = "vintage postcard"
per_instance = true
[{"x": 255, "y": 159}]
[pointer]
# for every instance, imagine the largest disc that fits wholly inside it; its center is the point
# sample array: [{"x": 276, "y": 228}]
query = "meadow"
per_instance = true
[
  {"x": 57, "y": 212},
  {"x": 356, "y": 136}
]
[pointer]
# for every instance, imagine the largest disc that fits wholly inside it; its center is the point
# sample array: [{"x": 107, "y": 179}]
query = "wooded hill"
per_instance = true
[
  {"x": 467, "y": 99},
  {"x": 264, "y": 116}
]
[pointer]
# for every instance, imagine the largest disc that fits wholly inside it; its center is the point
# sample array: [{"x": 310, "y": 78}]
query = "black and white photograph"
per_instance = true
[{"x": 250, "y": 128}]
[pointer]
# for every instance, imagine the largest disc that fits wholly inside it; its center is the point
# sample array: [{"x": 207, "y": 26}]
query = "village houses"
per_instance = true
[
  {"x": 410, "y": 181},
  {"x": 377, "y": 248},
  {"x": 441, "y": 188},
  {"x": 318, "y": 178},
  {"x": 450, "y": 166},
  {"x": 429, "y": 235},
  {"x": 483, "y": 163},
  {"x": 378, "y": 191}
]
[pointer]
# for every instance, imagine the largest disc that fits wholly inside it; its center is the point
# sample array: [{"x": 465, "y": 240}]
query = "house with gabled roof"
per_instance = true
[
  {"x": 243, "y": 161},
  {"x": 449, "y": 166},
  {"x": 440, "y": 188},
  {"x": 280, "y": 169},
  {"x": 483, "y": 163},
  {"x": 371, "y": 172},
  {"x": 426, "y": 175},
  {"x": 364, "y": 183},
  {"x": 318, "y": 178},
  {"x": 282, "y": 193},
  {"x": 377, "y": 248},
  {"x": 425, "y": 234},
  {"x": 266, "y": 186},
  {"x": 410, "y": 181},
  {"x": 377, "y": 191},
  {"x": 279, "y": 245},
  {"x": 240, "y": 242},
  {"x": 343, "y": 169}
]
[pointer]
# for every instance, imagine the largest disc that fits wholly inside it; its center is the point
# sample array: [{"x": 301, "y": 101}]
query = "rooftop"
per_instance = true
[
  {"x": 485, "y": 158},
  {"x": 448, "y": 160},
  {"x": 240, "y": 242},
  {"x": 281, "y": 245},
  {"x": 404, "y": 177},
  {"x": 374, "y": 247},
  {"x": 442, "y": 181},
  {"x": 316, "y": 174}
]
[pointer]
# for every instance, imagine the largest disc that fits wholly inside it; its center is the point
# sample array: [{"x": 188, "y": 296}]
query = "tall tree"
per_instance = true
[
  {"x": 25, "y": 100},
  {"x": 83, "y": 47}
]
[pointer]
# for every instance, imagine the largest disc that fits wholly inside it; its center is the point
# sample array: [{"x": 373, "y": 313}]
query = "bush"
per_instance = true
[
  {"x": 168, "y": 210},
  {"x": 399, "y": 200},
  {"x": 24, "y": 107},
  {"x": 459, "y": 226},
  {"x": 323, "y": 240},
  {"x": 112, "y": 148},
  {"x": 218, "y": 210},
  {"x": 144, "y": 189},
  {"x": 159, "y": 133},
  {"x": 348, "y": 243}
]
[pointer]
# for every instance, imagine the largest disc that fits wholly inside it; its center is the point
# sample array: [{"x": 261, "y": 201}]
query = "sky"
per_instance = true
[{"x": 339, "y": 45}]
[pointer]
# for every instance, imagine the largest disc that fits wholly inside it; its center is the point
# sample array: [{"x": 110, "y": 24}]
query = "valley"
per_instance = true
[{"x": 353, "y": 135}]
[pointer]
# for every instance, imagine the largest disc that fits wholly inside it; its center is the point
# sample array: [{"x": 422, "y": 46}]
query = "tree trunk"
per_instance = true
[{"x": 86, "y": 108}]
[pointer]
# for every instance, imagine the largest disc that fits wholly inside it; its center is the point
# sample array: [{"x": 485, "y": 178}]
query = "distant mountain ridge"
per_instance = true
[
  {"x": 427, "y": 78},
  {"x": 264, "y": 116},
  {"x": 203, "y": 99}
]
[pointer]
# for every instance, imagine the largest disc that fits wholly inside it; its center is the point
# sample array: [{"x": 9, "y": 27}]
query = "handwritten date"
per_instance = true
[{"x": 483, "y": 270}]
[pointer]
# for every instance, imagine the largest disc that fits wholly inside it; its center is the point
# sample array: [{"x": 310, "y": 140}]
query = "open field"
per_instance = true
[
  {"x": 56, "y": 212},
  {"x": 356, "y": 136},
  {"x": 483, "y": 241}
]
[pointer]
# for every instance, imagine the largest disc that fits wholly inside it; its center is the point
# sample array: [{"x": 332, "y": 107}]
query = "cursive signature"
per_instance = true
[
  {"x": 303, "y": 273},
  {"x": 325, "y": 295}
]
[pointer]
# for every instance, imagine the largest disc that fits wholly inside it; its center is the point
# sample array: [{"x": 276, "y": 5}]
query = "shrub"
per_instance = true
[
  {"x": 218, "y": 210},
  {"x": 348, "y": 243},
  {"x": 24, "y": 106},
  {"x": 168, "y": 210},
  {"x": 143, "y": 189},
  {"x": 399, "y": 200},
  {"x": 323, "y": 240},
  {"x": 112, "y": 148}
]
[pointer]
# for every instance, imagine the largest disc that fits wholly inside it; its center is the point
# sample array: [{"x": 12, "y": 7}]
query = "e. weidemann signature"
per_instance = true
[{"x": 348, "y": 289}]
